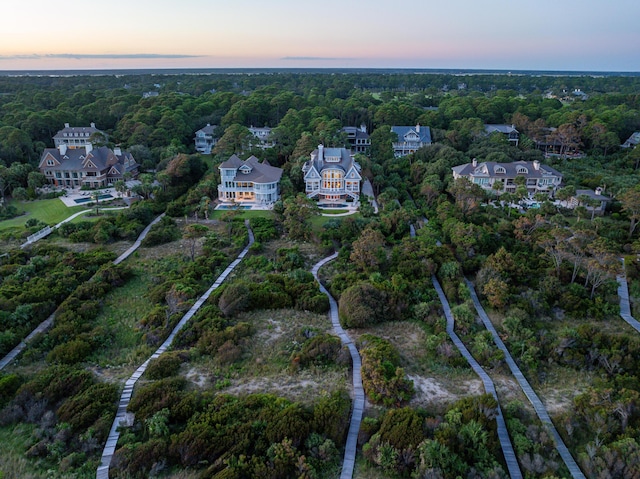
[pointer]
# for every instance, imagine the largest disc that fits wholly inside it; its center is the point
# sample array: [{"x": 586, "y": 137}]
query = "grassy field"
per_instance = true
[
  {"x": 51, "y": 211},
  {"x": 244, "y": 214},
  {"x": 122, "y": 310}
]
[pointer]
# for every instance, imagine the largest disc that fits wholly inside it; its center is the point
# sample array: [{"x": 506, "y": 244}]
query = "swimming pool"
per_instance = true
[
  {"x": 232, "y": 207},
  {"x": 89, "y": 199}
]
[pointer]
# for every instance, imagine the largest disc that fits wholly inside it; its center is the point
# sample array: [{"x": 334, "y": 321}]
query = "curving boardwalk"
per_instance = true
[
  {"x": 358, "y": 391},
  {"x": 47, "y": 323},
  {"x": 625, "y": 305},
  {"x": 503, "y": 434},
  {"x": 121, "y": 414},
  {"x": 541, "y": 411}
]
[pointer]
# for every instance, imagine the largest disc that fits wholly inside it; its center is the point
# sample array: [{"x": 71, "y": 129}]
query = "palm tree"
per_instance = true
[{"x": 96, "y": 197}]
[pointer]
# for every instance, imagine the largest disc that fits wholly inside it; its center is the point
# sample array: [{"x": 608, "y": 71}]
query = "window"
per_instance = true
[
  {"x": 50, "y": 163},
  {"x": 500, "y": 170},
  {"x": 522, "y": 170},
  {"x": 481, "y": 181}
]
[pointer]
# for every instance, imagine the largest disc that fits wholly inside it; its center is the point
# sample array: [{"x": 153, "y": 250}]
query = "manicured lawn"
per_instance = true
[
  {"x": 49, "y": 211},
  {"x": 244, "y": 214},
  {"x": 317, "y": 222}
]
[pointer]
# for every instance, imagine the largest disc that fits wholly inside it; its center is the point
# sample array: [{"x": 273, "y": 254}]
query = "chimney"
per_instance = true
[
  {"x": 536, "y": 165},
  {"x": 598, "y": 191},
  {"x": 63, "y": 149},
  {"x": 88, "y": 148},
  {"x": 363, "y": 128},
  {"x": 418, "y": 128},
  {"x": 117, "y": 151},
  {"x": 320, "y": 153},
  {"x": 93, "y": 125},
  {"x": 474, "y": 162},
  {"x": 66, "y": 125}
]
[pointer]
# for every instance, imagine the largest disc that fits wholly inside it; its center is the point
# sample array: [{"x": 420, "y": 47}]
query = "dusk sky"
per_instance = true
[{"x": 467, "y": 34}]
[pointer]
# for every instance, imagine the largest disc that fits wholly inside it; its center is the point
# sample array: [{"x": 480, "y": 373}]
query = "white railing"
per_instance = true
[{"x": 39, "y": 235}]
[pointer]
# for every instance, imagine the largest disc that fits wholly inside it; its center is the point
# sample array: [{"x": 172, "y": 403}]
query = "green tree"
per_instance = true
[
  {"x": 368, "y": 252},
  {"x": 297, "y": 213},
  {"x": 630, "y": 200},
  {"x": 192, "y": 233},
  {"x": 236, "y": 139}
]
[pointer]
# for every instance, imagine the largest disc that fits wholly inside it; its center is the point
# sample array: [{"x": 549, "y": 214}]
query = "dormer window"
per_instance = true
[
  {"x": 522, "y": 170},
  {"x": 500, "y": 170}
]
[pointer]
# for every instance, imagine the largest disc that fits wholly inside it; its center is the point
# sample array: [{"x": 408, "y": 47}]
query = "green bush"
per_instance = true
[
  {"x": 382, "y": 378},
  {"x": 84, "y": 409},
  {"x": 318, "y": 350},
  {"x": 168, "y": 364},
  {"x": 71, "y": 352},
  {"x": 362, "y": 305}
]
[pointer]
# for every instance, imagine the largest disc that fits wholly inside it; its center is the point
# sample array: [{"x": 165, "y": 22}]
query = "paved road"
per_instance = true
[
  {"x": 625, "y": 306},
  {"x": 47, "y": 323},
  {"x": 541, "y": 411},
  {"x": 349, "y": 461},
  {"x": 503, "y": 434},
  {"x": 121, "y": 414}
]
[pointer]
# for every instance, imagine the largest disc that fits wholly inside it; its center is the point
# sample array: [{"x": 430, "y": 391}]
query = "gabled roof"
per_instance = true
[
  {"x": 633, "y": 140},
  {"x": 207, "y": 130},
  {"x": 355, "y": 132},
  {"x": 592, "y": 194},
  {"x": 330, "y": 158},
  {"x": 506, "y": 129},
  {"x": 233, "y": 162},
  {"x": 492, "y": 169},
  {"x": 76, "y": 132},
  {"x": 258, "y": 172},
  {"x": 422, "y": 132},
  {"x": 76, "y": 159}
]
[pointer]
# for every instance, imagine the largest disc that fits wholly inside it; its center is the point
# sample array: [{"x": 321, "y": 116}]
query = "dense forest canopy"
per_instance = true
[{"x": 545, "y": 274}]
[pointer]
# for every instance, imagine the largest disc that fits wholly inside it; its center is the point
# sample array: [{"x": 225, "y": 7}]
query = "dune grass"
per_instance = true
[{"x": 122, "y": 310}]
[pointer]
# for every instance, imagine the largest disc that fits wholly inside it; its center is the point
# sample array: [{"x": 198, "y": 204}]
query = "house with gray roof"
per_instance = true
[
  {"x": 76, "y": 136},
  {"x": 86, "y": 166},
  {"x": 331, "y": 174},
  {"x": 410, "y": 139},
  {"x": 249, "y": 181},
  {"x": 262, "y": 136},
  {"x": 501, "y": 177},
  {"x": 205, "y": 140},
  {"x": 632, "y": 141},
  {"x": 358, "y": 138},
  {"x": 509, "y": 131},
  {"x": 596, "y": 200}
]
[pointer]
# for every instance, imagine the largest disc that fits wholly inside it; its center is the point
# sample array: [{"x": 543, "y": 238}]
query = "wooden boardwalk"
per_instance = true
[
  {"x": 625, "y": 305},
  {"x": 47, "y": 323},
  {"x": 541, "y": 411},
  {"x": 510, "y": 457},
  {"x": 121, "y": 414},
  {"x": 350, "y": 448}
]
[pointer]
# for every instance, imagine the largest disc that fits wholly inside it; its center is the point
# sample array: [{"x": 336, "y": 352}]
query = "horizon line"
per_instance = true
[{"x": 314, "y": 68}]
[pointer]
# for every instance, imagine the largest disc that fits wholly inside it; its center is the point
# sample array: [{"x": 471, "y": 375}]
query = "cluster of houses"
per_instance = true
[{"x": 331, "y": 175}]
